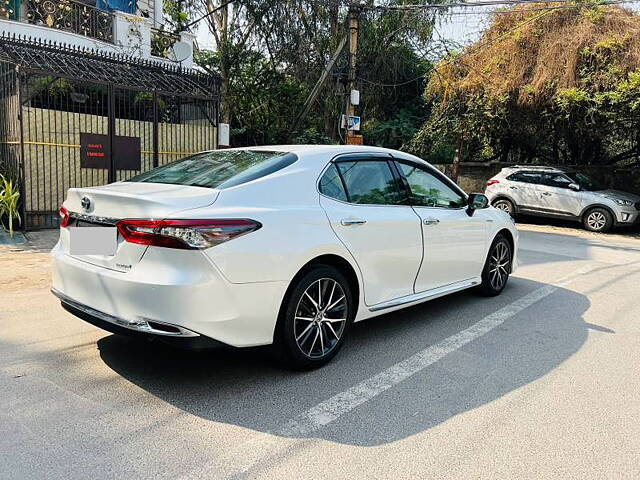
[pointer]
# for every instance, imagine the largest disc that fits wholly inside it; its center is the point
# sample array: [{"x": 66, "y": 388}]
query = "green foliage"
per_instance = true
[
  {"x": 262, "y": 97},
  {"x": 570, "y": 98},
  {"x": 55, "y": 87},
  {"x": 311, "y": 136},
  {"x": 9, "y": 198},
  {"x": 176, "y": 14},
  {"x": 521, "y": 100},
  {"x": 270, "y": 54},
  {"x": 396, "y": 131},
  {"x": 143, "y": 97}
]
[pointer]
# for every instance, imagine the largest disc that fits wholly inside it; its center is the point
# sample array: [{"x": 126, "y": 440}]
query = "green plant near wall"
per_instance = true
[{"x": 9, "y": 197}]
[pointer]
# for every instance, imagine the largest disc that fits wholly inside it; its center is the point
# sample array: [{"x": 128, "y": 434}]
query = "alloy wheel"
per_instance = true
[
  {"x": 503, "y": 206},
  {"x": 596, "y": 220},
  {"x": 499, "y": 265},
  {"x": 320, "y": 318}
]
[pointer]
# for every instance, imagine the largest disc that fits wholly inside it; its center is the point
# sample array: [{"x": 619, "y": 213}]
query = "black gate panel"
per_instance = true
[
  {"x": 55, "y": 113},
  {"x": 78, "y": 118},
  {"x": 78, "y": 134},
  {"x": 10, "y": 145},
  {"x": 134, "y": 126}
]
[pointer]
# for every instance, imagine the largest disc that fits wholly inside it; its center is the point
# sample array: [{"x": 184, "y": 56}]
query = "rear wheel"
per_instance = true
[
  {"x": 597, "y": 220},
  {"x": 505, "y": 205},
  {"x": 315, "y": 319},
  {"x": 497, "y": 267}
]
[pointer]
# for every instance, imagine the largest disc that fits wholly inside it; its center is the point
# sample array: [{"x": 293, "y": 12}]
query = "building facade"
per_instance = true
[{"x": 129, "y": 27}]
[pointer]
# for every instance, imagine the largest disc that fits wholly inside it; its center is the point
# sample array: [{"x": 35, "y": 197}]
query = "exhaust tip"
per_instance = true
[{"x": 164, "y": 328}]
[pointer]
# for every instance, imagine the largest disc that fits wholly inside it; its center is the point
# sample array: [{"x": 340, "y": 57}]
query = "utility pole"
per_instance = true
[
  {"x": 455, "y": 170},
  {"x": 316, "y": 89},
  {"x": 354, "y": 18}
]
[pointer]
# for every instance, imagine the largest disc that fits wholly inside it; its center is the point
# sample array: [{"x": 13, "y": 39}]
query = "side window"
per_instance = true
[
  {"x": 555, "y": 180},
  {"x": 427, "y": 190},
  {"x": 526, "y": 177},
  {"x": 370, "y": 182},
  {"x": 331, "y": 185}
]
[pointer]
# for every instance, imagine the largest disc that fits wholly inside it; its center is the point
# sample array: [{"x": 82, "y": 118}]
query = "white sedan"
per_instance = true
[{"x": 282, "y": 245}]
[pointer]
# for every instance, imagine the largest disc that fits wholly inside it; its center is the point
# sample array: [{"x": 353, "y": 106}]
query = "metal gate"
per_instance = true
[{"x": 105, "y": 119}]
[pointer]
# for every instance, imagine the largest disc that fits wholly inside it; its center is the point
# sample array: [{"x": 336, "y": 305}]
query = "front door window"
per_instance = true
[{"x": 454, "y": 242}]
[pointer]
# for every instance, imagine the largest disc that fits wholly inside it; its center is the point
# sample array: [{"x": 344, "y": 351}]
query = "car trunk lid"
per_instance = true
[{"x": 103, "y": 206}]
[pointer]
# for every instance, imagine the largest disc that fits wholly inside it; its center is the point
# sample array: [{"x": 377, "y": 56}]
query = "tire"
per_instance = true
[
  {"x": 497, "y": 267},
  {"x": 306, "y": 337},
  {"x": 506, "y": 206},
  {"x": 597, "y": 220}
]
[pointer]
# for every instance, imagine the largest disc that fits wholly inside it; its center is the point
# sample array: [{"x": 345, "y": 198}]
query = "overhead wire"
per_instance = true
[{"x": 486, "y": 3}]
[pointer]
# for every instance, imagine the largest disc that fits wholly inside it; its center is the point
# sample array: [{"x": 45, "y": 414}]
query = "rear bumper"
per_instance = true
[
  {"x": 174, "y": 295},
  {"x": 181, "y": 338}
]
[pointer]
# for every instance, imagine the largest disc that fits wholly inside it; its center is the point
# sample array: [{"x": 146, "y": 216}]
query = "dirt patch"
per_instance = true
[
  {"x": 27, "y": 265},
  {"x": 22, "y": 270}
]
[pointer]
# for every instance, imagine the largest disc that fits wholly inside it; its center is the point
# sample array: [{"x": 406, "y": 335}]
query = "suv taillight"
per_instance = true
[
  {"x": 185, "y": 234},
  {"x": 492, "y": 182},
  {"x": 64, "y": 217}
]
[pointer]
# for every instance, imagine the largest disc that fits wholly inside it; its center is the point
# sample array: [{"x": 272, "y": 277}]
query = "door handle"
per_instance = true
[
  {"x": 513, "y": 188},
  {"x": 352, "y": 221},
  {"x": 546, "y": 194},
  {"x": 430, "y": 221}
]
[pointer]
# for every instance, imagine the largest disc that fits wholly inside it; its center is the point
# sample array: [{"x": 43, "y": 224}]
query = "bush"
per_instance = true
[
  {"x": 9, "y": 198},
  {"x": 555, "y": 86}
]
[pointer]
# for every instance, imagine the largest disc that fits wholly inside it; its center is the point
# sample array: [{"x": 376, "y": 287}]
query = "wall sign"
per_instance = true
[{"x": 95, "y": 152}]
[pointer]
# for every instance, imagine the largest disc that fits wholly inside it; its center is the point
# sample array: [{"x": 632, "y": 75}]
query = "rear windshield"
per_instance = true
[{"x": 219, "y": 169}]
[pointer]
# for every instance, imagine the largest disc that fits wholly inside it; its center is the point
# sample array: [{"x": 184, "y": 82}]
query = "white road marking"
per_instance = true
[
  {"x": 326, "y": 412},
  {"x": 343, "y": 402},
  {"x": 333, "y": 408}
]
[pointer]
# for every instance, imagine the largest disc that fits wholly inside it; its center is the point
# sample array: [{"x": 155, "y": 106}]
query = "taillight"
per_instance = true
[
  {"x": 185, "y": 234},
  {"x": 492, "y": 182},
  {"x": 64, "y": 217}
]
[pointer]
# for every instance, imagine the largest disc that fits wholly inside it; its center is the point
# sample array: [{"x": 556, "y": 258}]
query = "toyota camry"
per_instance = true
[{"x": 281, "y": 245}]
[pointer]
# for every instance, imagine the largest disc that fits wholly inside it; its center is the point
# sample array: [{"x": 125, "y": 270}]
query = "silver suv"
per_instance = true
[{"x": 561, "y": 193}]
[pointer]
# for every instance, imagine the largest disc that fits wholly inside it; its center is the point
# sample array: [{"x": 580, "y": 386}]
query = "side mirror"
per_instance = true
[
  {"x": 574, "y": 186},
  {"x": 476, "y": 201}
]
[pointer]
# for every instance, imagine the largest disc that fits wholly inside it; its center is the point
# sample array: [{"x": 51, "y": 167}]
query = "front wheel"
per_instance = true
[
  {"x": 598, "y": 220},
  {"x": 497, "y": 267},
  {"x": 315, "y": 319}
]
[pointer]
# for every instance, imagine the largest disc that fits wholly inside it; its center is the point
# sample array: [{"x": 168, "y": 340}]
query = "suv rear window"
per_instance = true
[{"x": 219, "y": 169}]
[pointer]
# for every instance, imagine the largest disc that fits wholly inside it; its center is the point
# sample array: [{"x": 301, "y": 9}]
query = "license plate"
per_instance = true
[{"x": 93, "y": 241}]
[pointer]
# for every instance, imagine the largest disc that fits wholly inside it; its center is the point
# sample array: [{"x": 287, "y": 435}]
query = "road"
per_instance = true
[{"x": 542, "y": 381}]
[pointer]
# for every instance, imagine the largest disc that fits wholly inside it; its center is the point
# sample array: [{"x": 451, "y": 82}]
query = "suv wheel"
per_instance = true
[
  {"x": 598, "y": 220},
  {"x": 506, "y": 206},
  {"x": 315, "y": 319}
]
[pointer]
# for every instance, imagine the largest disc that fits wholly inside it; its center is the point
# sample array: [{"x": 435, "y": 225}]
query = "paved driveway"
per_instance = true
[{"x": 540, "y": 382}]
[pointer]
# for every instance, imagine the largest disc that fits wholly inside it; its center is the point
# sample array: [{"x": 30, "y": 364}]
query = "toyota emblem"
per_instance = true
[{"x": 85, "y": 203}]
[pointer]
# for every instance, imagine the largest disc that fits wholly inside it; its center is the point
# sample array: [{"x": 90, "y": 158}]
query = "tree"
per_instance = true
[
  {"x": 270, "y": 54},
  {"x": 555, "y": 86}
]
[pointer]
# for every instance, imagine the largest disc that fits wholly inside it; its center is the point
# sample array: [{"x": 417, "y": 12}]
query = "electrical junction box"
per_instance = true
[
  {"x": 355, "y": 97},
  {"x": 223, "y": 134}
]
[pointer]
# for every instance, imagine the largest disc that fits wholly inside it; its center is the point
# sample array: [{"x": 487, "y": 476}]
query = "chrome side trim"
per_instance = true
[
  {"x": 93, "y": 219},
  {"x": 428, "y": 295},
  {"x": 140, "y": 325}
]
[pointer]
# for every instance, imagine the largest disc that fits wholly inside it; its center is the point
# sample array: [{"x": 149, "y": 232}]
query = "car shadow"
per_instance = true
[{"x": 246, "y": 388}]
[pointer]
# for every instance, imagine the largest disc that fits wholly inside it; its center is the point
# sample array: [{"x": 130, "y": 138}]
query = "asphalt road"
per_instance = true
[{"x": 540, "y": 382}]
